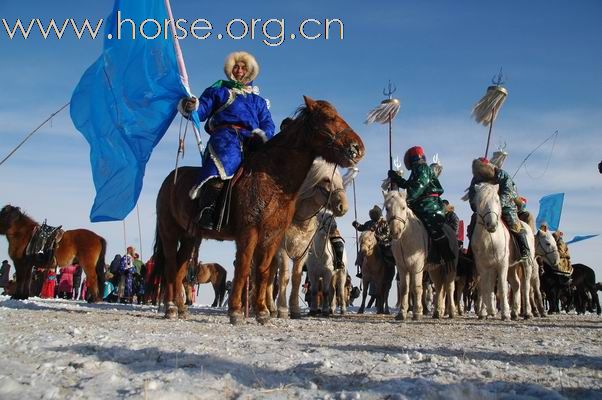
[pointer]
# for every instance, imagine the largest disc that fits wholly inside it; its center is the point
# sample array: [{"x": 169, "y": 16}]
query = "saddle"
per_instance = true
[
  {"x": 42, "y": 244},
  {"x": 433, "y": 255},
  {"x": 224, "y": 200}
]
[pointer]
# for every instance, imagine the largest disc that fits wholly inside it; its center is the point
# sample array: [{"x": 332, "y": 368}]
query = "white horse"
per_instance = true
[
  {"x": 321, "y": 272},
  {"x": 410, "y": 248},
  {"x": 494, "y": 255},
  {"x": 323, "y": 188}
]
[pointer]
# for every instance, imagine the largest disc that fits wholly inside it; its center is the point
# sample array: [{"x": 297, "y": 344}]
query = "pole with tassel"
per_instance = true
[
  {"x": 384, "y": 114},
  {"x": 488, "y": 107}
]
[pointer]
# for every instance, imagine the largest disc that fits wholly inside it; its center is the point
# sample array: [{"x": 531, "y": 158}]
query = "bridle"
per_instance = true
[
  {"x": 545, "y": 252},
  {"x": 483, "y": 216}
]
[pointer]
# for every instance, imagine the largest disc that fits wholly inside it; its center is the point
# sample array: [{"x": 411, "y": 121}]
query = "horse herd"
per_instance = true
[{"x": 283, "y": 205}]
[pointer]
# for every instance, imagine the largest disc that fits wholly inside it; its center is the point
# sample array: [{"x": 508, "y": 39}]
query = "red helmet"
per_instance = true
[{"x": 412, "y": 155}]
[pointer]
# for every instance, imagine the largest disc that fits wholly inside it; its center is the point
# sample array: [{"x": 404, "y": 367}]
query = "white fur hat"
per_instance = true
[{"x": 248, "y": 59}]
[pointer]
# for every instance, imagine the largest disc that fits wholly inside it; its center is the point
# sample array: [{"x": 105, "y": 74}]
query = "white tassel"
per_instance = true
[
  {"x": 384, "y": 112},
  {"x": 488, "y": 107},
  {"x": 498, "y": 158},
  {"x": 350, "y": 175}
]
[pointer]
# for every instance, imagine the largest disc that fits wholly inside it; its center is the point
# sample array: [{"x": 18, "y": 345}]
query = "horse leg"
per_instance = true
[
  {"x": 364, "y": 295},
  {"x": 88, "y": 264},
  {"x": 450, "y": 287},
  {"x": 23, "y": 281},
  {"x": 417, "y": 284},
  {"x": 526, "y": 287},
  {"x": 269, "y": 290},
  {"x": 514, "y": 281},
  {"x": 484, "y": 295},
  {"x": 404, "y": 280},
  {"x": 327, "y": 294},
  {"x": 293, "y": 303},
  {"x": 264, "y": 253},
  {"x": 283, "y": 279},
  {"x": 341, "y": 277},
  {"x": 244, "y": 256}
]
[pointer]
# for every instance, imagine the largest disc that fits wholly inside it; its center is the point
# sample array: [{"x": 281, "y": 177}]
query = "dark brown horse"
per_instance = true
[
  {"x": 263, "y": 204},
  {"x": 86, "y": 246}
]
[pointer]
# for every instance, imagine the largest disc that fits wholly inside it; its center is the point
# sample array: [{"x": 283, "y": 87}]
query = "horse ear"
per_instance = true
[{"x": 310, "y": 103}]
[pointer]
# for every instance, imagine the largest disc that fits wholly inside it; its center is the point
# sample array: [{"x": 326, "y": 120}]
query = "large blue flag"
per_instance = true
[
  {"x": 579, "y": 238},
  {"x": 125, "y": 102},
  {"x": 550, "y": 209}
]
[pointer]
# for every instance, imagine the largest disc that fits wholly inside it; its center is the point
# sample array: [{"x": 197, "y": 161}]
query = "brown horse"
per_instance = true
[
  {"x": 211, "y": 273},
  {"x": 263, "y": 204},
  {"x": 86, "y": 246}
]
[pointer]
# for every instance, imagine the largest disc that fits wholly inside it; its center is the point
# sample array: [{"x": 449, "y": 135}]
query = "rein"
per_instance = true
[
  {"x": 545, "y": 253},
  {"x": 322, "y": 207}
]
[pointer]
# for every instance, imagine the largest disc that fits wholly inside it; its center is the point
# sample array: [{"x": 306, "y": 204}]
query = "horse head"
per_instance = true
[
  {"x": 328, "y": 134},
  {"x": 323, "y": 185},
  {"x": 489, "y": 208},
  {"x": 397, "y": 212},
  {"x": 546, "y": 247},
  {"x": 367, "y": 243},
  {"x": 8, "y": 216}
]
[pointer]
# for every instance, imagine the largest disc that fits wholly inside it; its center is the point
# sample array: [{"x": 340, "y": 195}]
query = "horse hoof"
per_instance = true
[
  {"x": 506, "y": 318},
  {"x": 360, "y": 311},
  {"x": 263, "y": 317},
  {"x": 343, "y": 312},
  {"x": 295, "y": 315},
  {"x": 513, "y": 316},
  {"x": 282, "y": 314},
  {"x": 482, "y": 317},
  {"x": 313, "y": 313},
  {"x": 171, "y": 313},
  {"x": 236, "y": 318},
  {"x": 416, "y": 316},
  {"x": 528, "y": 316},
  {"x": 400, "y": 317},
  {"x": 436, "y": 315},
  {"x": 183, "y": 314}
]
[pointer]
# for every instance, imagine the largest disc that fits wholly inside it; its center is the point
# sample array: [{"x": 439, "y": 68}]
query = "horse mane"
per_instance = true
[
  {"x": 401, "y": 195},
  {"x": 303, "y": 122},
  {"x": 22, "y": 218},
  {"x": 319, "y": 169}
]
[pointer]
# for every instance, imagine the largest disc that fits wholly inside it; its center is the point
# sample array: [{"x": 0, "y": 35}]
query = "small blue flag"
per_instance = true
[
  {"x": 550, "y": 209},
  {"x": 125, "y": 102},
  {"x": 580, "y": 238}
]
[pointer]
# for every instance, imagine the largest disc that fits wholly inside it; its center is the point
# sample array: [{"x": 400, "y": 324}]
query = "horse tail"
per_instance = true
[
  {"x": 100, "y": 267},
  {"x": 159, "y": 264}
]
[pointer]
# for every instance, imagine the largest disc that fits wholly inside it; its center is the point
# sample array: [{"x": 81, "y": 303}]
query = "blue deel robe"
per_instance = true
[{"x": 223, "y": 107}]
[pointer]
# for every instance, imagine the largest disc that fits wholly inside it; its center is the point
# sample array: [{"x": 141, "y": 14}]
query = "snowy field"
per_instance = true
[{"x": 56, "y": 349}]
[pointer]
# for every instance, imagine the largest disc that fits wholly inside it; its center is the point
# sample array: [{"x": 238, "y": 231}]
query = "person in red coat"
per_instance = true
[
  {"x": 66, "y": 283},
  {"x": 49, "y": 285}
]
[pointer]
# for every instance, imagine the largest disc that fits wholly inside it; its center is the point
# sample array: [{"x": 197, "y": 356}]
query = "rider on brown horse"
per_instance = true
[{"x": 235, "y": 115}]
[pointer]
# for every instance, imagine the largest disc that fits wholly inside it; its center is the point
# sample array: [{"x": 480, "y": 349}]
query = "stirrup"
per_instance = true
[{"x": 206, "y": 218}]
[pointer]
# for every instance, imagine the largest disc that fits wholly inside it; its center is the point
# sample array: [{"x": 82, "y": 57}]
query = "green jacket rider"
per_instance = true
[
  {"x": 484, "y": 171},
  {"x": 423, "y": 198}
]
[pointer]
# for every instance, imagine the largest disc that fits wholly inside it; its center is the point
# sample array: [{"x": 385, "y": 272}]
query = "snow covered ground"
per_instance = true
[{"x": 56, "y": 349}]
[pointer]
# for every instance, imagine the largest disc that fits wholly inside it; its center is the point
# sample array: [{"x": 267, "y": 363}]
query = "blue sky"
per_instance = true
[{"x": 441, "y": 55}]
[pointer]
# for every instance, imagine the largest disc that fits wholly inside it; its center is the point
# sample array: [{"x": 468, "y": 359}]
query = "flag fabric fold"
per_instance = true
[
  {"x": 579, "y": 238},
  {"x": 550, "y": 209},
  {"x": 125, "y": 102}
]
